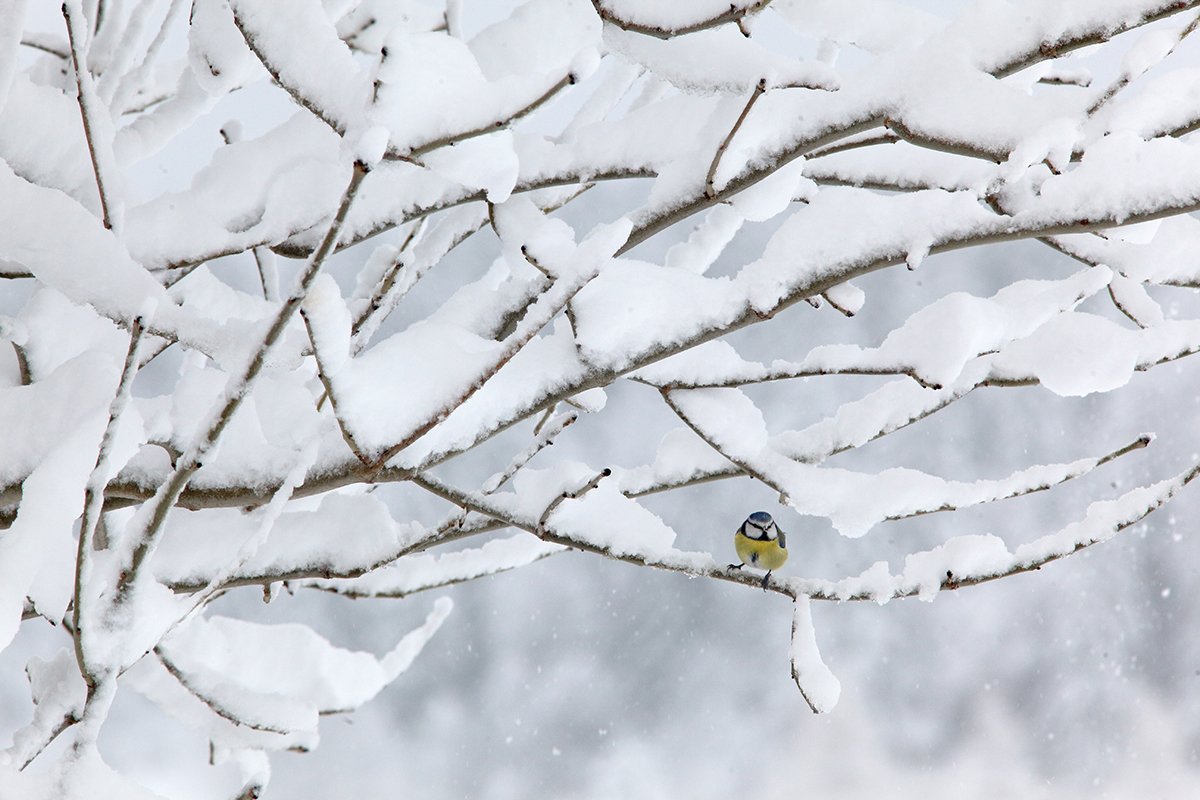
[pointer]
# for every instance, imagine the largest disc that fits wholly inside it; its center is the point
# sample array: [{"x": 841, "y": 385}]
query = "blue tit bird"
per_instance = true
[{"x": 761, "y": 544}]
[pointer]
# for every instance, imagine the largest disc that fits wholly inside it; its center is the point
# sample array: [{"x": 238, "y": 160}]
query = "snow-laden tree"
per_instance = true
[{"x": 170, "y": 435}]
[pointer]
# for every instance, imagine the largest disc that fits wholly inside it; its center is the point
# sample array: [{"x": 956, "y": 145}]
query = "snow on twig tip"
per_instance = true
[{"x": 820, "y": 688}]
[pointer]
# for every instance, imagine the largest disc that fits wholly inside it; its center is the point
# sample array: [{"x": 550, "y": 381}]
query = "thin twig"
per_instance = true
[
  {"x": 1136, "y": 444},
  {"x": 47, "y": 43},
  {"x": 89, "y": 107},
  {"x": 414, "y": 153},
  {"x": 569, "y": 495},
  {"x": 436, "y": 578},
  {"x": 93, "y": 505},
  {"x": 1126, "y": 77},
  {"x": 783, "y": 372},
  {"x": 327, "y": 382},
  {"x": 124, "y": 52},
  {"x": 268, "y": 275},
  {"x": 391, "y": 291},
  {"x": 215, "y": 705},
  {"x": 539, "y": 315},
  {"x": 384, "y": 287},
  {"x": 759, "y": 89},
  {"x": 703, "y": 434},
  {"x": 543, "y": 440},
  {"x": 132, "y": 81},
  {"x": 445, "y": 533}
]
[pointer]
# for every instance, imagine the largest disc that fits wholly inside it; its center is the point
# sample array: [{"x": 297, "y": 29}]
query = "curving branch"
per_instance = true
[
  {"x": 450, "y": 569},
  {"x": 214, "y": 704},
  {"x": 736, "y": 14},
  {"x": 47, "y": 43},
  {"x": 944, "y": 145},
  {"x": 1104, "y": 520},
  {"x": 328, "y": 570}
]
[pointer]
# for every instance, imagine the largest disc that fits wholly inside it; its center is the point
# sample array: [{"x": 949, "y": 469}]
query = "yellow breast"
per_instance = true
[{"x": 760, "y": 553}]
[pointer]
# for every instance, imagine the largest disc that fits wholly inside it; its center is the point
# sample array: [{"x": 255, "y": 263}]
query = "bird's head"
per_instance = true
[{"x": 759, "y": 525}]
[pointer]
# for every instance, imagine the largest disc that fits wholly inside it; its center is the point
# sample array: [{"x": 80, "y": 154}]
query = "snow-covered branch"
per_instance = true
[{"x": 735, "y": 14}]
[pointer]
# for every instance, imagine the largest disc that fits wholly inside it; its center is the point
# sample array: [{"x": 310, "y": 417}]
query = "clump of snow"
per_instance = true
[
  {"x": 372, "y": 145},
  {"x": 817, "y": 683},
  {"x": 1074, "y": 354},
  {"x": 707, "y": 240},
  {"x": 876, "y": 26},
  {"x": 767, "y": 198},
  {"x": 262, "y": 686},
  {"x": 1131, "y": 297},
  {"x": 961, "y": 556},
  {"x": 217, "y": 52},
  {"x": 329, "y": 322},
  {"x": 717, "y": 61},
  {"x": 846, "y": 297},
  {"x": 300, "y": 46},
  {"x": 936, "y": 343}
]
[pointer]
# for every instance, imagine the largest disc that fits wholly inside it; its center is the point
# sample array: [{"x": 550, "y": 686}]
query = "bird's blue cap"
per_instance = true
[{"x": 760, "y": 518}]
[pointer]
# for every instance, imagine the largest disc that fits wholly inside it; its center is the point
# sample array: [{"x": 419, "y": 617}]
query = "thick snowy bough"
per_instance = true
[{"x": 175, "y": 431}]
